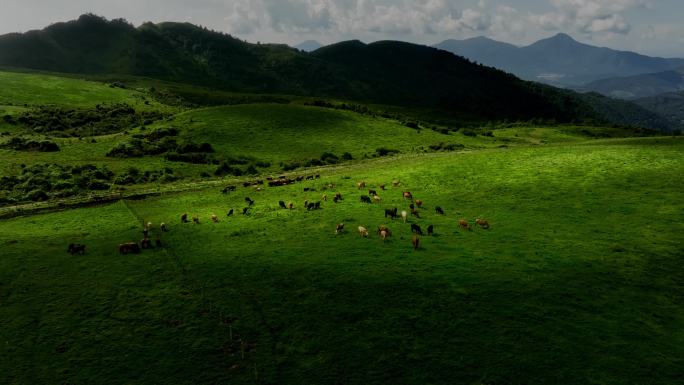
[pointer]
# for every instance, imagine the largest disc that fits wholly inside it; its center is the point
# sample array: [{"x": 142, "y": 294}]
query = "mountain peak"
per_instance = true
[
  {"x": 563, "y": 37},
  {"x": 308, "y": 46}
]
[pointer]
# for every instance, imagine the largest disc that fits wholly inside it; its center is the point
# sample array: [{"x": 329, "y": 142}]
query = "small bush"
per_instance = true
[{"x": 386, "y": 151}]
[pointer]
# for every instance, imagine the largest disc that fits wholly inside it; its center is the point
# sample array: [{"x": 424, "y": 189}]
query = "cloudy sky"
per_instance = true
[{"x": 652, "y": 27}]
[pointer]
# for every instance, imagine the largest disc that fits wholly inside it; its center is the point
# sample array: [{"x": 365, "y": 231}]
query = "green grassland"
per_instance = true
[
  {"x": 578, "y": 281},
  {"x": 19, "y": 89}
]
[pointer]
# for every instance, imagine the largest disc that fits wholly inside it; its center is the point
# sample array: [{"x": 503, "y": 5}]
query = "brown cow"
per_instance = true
[
  {"x": 361, "y": 185},
  {"x": 407, "y": 195},
  {"x": 464, "y": 224},
  {"x": 482, "y": 223},
  {"x": 214, "y": 218},
  {"x": 419, "y": 202},
  {"x": 415, "y": 241},
  {"x": 130, "y": 247},
  {"x": 395, "y": 183},
  {"x": 196, "y": 220},
  {"x": 382, "y": 187},
  {"x": 339, "y": 228}
]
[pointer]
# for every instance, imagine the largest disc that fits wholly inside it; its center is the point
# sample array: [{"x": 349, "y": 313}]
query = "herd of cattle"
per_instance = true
[{"x": 383, "y": 231}]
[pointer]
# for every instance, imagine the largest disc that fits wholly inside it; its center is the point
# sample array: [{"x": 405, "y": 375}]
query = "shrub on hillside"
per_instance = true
[
  {"x": 382, "y": 151},
  {"x": 24, "y": 144}
]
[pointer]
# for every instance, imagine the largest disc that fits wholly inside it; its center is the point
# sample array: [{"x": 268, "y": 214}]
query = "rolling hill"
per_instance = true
[
  {"x": 559, "y": 60},
  {"x": 383, "y": 72}
]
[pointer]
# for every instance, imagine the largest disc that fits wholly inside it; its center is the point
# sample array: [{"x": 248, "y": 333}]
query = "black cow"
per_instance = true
[
  {"x": 365, "y": 199},
  {"x": 282, "y": 205},
  {"x": 311, "y": 206},
  {"x": 249, "y": 201},
  {"x": 230, "y": 213},
  {"x": 392, "y": 213},
  {"x": 76, "y": 248},
  {"x": 245, "y": 211},
  {"x": 439, "y": 210},
  {"x": 416, "y": 229},
  {"x": 431, "y": 230},
  {"x": 318, "y": 205},
  {"x": 372, "y": 193}
]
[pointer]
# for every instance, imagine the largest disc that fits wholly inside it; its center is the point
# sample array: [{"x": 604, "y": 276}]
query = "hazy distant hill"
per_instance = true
[
  {"x": 308, "y": 46},
  {"x": 559, "y": 60},
  {"x": 670, "y": 106},
  {"x": 639, "y": 86}
]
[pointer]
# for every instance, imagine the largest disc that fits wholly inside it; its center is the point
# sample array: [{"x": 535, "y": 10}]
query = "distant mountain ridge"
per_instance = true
[
  {"x": 308, "y": 46},
  {"x": 558, "y": 60},
  {"x": 639, "y": 86}
]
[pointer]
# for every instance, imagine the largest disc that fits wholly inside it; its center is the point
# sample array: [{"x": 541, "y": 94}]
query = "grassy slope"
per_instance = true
[
  {"x": 39, "y": 89},
  {"x": 578, "y": 281}
]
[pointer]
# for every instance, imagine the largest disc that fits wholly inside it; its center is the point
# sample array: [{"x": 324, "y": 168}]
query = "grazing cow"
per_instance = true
[
  {"x": 464, "y": 224},
  {"x": 76, "y": 248},
  {"x": 196, "y": 220},
  {"x": 407, "y": 195},
  {"x": 365, "y": 199},
  {"x": 395, "y": 183},
  {"x": 317, "y": 206},
  {"x": 415, "y": 241},
  {"x": 415, "y": 213},
  {"x": 149, "y": 225},
  {"x": 230, "y": 213},
  {"x": 130, "y": 247},
  {"x": 184, "y": 218},
  {"x": 145, "y": 243},
  {"x": 372, "y": 192},
  {"x": 245, "y": 211},
  {"x": 290, "y": 205},
  {"x": 335, "y": 199},
  {"x": 282, "y": 204},
  {"x": 158, "y": 242},
  {"x": 363, "y": 232},
  {"x": 146, "y": 231},
  {"x": 338, "y": 196},
  {"x": 163, "y": 228},
  {"x": 311, "y": 206},
  {"x": 249, "y": 201},
  {"x": 384, "y": 235},
  {"x": 404, "y": 216},
  {"x": 419, "y": 202},
  {"x": 361, "y": 185},
  {"x": 325, "y": 197},
  {"x": 318, "y": 176},
  {"x": 214, "y": 218},
  {"x": 306, "y": 203},
  {"x": 412, "y": 206},
  {"x": 439, "y": 210},
  {"x": 307, "y": 189},
  {"x": 392, "y": 213},
  {"x": 376, "y": 199},
  {"x": 339, "y": 228},
  {"x": 416, "y": 229},
  {"x": 382, "y": 187},
  {"x": 482, "y": 223},
  {"x": 384, "y": 228},
  {"x": 228, "y": 189},
  {"x": 431, "y": 230},
  {"x": 309, "y": 177}
]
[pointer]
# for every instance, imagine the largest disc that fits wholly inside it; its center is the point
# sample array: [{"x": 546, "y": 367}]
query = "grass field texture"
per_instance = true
[{"x": 578, "y": 281}]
